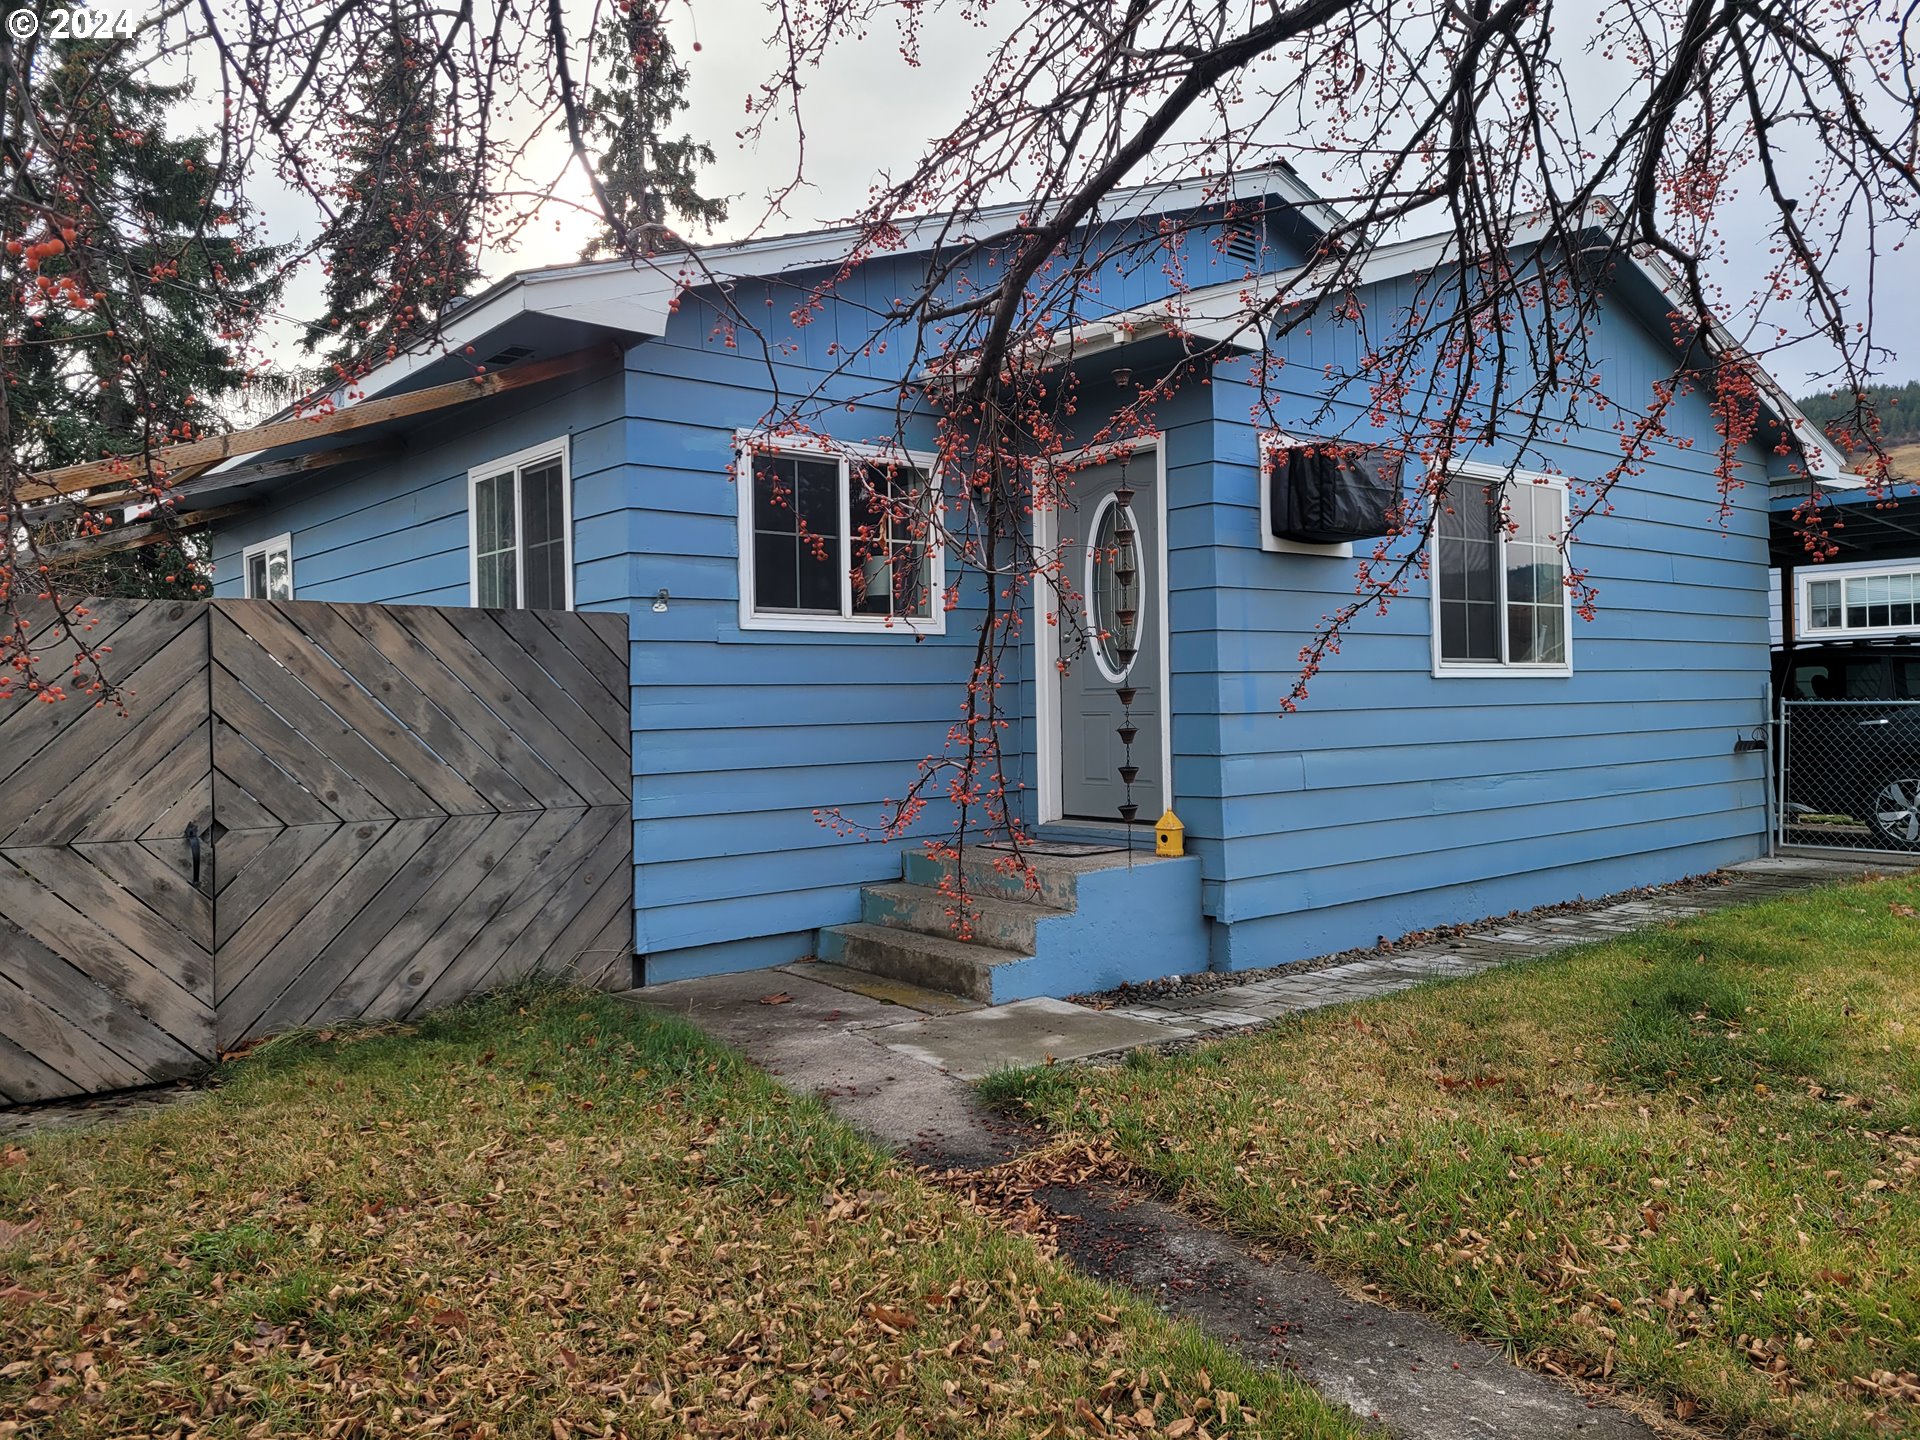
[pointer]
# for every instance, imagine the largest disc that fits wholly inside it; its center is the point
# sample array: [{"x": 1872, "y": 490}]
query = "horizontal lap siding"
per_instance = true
[
  {"x": 1395, "y": 800},
  {"x": 395, "y": 531},
  {"x": 743, "y": 738}
]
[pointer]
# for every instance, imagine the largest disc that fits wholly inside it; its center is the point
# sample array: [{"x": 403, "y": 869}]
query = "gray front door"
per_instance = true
[{"x": 1110, "y": 546}]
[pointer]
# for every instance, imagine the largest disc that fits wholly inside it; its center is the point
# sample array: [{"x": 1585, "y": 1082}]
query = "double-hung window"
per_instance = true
[
  {"x": 838, "y": 539},
  {"x": 266, "y": 569},
  {"x": 1501, "y": 601},
  {"x": 520, "y": 515}
]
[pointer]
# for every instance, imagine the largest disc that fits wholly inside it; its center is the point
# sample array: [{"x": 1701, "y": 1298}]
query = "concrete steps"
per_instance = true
[
  {"x": 995, "y": 920},
  {"x": 1094, "y": 918},
  {"x": 936, "y": 962}
]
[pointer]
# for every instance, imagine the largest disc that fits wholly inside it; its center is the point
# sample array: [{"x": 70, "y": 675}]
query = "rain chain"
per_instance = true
[{"x": 1126, "y": 570}]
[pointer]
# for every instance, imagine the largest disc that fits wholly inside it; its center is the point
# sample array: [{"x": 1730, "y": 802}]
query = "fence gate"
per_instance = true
[
  {"x": 311, "y": 813},
  {"x": 1849, "y": 774}
]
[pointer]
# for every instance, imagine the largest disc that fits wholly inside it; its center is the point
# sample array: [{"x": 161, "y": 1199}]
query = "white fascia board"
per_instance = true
[
  {"x": 1823, "y": 458},
  {"x": 639, "y": 296}
]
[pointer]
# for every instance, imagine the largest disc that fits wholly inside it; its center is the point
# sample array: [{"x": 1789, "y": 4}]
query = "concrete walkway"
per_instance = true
[
  {"x": 1253, "y": 1000},
  {"x": 894, "y": 1061}
]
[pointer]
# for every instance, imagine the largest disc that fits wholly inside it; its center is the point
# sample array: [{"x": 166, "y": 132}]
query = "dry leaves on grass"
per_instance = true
[
  {"x": 550, "y": 1230},
  {"x": 1006, "y": 1193},
  {"x": 1687, "y": 1162}
]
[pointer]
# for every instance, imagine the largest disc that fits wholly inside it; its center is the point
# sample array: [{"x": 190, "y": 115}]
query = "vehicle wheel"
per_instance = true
[{"x": 1893, "y": 812}]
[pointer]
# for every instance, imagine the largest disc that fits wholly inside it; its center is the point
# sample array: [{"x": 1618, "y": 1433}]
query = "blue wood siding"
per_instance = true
[
  {"x": 743, "y": 739},
  {"x": 394, "y": 532},
  {"x": 1394, "y": 800}
]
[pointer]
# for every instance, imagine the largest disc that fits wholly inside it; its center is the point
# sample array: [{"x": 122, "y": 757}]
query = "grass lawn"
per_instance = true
[
  {"x": 1686, "y": 1161},
  {"x": 552, "y": 1215}
]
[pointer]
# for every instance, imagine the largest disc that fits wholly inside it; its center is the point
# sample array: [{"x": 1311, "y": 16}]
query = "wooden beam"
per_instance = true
[
  {"x": 184, "y": 485},
  {"x": 128, "y": 537},
  {"x": 165, "y": 459}
]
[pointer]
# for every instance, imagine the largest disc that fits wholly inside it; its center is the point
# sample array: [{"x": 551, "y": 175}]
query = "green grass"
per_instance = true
[
  {"x": 552, "y": 1215},
  {"x": 1686, "y": 1162}
]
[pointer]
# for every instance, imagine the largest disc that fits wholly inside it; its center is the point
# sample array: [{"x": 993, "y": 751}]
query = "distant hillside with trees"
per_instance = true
[{"x": 1897, "y": 405}]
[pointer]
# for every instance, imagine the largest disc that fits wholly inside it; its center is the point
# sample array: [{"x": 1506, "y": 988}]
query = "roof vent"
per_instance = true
[
  {"x": 511, "y": 355},
  {"x": 1243, "y": 245}
]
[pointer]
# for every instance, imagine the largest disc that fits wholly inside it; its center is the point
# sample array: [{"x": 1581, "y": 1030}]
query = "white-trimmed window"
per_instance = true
[
  {"x": 1501, "y": 603},
  {"x": 520, "y": 513},
  {"x": 1877, "y": 602},
  {"x": 837, "y": 538},
  {"x": 266, "y": 569}
]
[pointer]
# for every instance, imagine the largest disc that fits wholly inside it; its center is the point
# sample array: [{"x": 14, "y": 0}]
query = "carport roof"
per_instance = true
[{"x": 1863, "y": 526}]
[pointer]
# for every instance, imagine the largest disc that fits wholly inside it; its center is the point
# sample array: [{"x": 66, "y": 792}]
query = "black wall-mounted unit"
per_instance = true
[{"x": 1324, "y": 492}]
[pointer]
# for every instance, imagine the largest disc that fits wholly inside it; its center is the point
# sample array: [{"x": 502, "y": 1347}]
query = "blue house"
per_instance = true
[{"x": 1478, "y": 749}]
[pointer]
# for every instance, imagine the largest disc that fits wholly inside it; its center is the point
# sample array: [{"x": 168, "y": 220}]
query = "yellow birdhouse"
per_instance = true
[{"x": 1169, "y": 836}]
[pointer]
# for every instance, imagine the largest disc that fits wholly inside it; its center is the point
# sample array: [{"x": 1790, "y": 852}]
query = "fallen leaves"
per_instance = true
[
  {"x": 467, "y": 1250},
  {"x": 1683, "y": 1162},
  {"x": 1006, "y": 1193}
]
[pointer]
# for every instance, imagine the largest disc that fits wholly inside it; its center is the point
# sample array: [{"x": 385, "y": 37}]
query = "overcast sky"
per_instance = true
[{"x": 869, "y": 112}]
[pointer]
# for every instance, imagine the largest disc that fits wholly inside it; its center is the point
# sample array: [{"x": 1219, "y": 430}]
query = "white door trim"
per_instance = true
[{"x": 1049, "y": 738}]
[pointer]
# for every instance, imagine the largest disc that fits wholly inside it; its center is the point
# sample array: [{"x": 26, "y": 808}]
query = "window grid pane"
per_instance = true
[
  {"x": 543, "y": 528},
  {"x": 1865, "y": 602},
  {"x": 1469, "y": 583},
  {"x": 493, "y": 544},
  {"x": 796, "y": 535},
  {"x": 831, "y": 538},
  {"x": 888, "y": 543},
  {"x": 1501, "y": 577}
]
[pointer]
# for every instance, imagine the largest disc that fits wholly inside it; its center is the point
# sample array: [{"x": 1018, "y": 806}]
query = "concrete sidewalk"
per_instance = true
[
  {"x": 895, "y": 1061},
  {"x": 893, "y": 1038}
]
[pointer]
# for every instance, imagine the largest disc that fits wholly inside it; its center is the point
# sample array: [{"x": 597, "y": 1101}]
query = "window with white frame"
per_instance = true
[
  {"x": 838, "y": 539},
  {"x": 1500, "y": 578},
  {"x": 266, "y": 569},
  {"x": 1883, "y": 602},
  {"x": 520, "y": 513}
]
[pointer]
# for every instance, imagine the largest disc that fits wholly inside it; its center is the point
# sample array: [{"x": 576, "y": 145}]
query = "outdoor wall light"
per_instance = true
[{"x": 660, "y": 602}]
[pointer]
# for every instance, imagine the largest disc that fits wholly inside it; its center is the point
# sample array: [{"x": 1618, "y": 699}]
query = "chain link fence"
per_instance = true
[{"x": 1849, "y": 774}]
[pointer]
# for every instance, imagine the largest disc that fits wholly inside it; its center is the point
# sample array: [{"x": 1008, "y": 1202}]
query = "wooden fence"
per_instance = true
[{"x": 309, "y": 813}]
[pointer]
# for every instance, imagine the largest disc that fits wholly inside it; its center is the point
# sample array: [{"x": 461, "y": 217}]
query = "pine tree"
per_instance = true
[
  {"x": 134, "y": 339},
  {"x": 646, "y": 177},
  {"x": 400, "y": 247}
]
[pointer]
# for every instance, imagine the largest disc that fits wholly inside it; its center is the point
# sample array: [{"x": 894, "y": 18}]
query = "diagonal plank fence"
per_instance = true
[{"x": 309, "y": 813}]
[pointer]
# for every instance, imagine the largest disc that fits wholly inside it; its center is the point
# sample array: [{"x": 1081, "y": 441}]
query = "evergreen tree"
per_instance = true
[
  {"x": 1897, "y": 407},
  {"x": 151, "y": 257},
  {"x": 646, "y": 176},
  {"x": 400, "y": 247}
]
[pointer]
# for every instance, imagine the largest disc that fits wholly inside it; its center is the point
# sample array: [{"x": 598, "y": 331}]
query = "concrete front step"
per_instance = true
[
  {"x": 991, "y": 919},
  {"x": 881, "y": 988},
  {"x": 1058, "y": 876},
  {"x": 938, "y": 962}
]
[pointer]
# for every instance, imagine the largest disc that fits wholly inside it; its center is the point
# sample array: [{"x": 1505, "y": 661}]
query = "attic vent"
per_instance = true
[
  {"x": 508, "y": 356},
  {"x": 1243, "y": 245}
]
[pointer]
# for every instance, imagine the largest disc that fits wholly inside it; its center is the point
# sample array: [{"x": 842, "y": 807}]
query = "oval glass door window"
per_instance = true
[{"x": 1114, "y": 587}]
